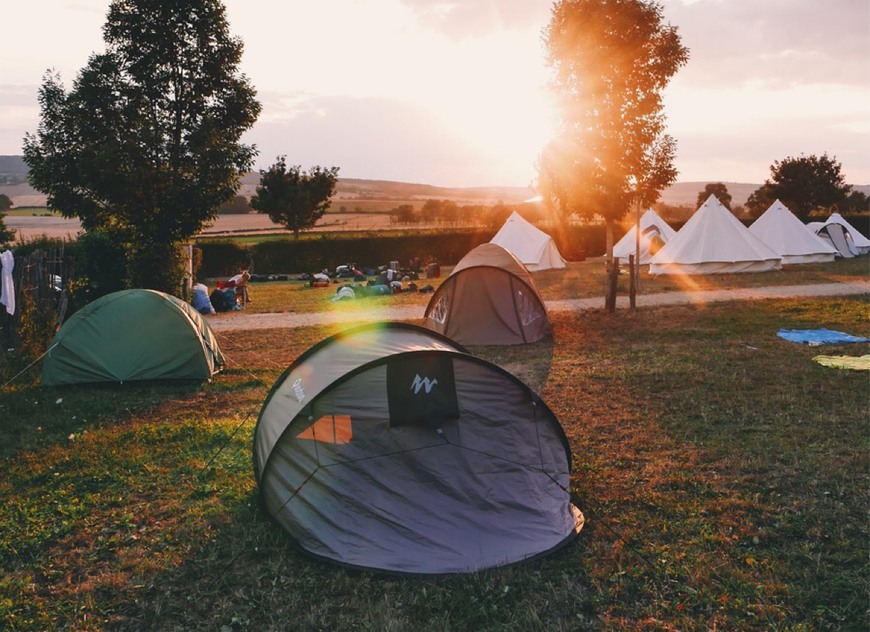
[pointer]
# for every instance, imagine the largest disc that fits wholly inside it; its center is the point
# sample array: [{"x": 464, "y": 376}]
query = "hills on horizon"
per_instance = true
[{"x": 13, "y": 182}]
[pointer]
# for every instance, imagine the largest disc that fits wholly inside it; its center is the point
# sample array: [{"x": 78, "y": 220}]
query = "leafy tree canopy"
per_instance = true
[
  {"x": 6, "y": 235},
  {"x": 857, "y": 202},
  {"x": 239, "y": 205},
  {"x": 147, "y": 141},
  {"x": 611, "y": 61},
  {"x": 294, "y": 198},
  {"x": 719, "y": 190},
  {"x": 805, "y": 184}
]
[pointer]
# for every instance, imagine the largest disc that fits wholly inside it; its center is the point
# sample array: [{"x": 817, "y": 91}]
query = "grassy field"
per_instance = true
[
  {"x": 580, "y": 280},
  {"x": 723, "y": 474}
]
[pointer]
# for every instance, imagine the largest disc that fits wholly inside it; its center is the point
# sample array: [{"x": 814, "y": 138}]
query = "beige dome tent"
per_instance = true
[
  {"x": 387, "y": 447},
  {"x": 654, "y": 233},
  {"x": 785, "y": 234},
  {"x": 532, "y": 246},
  {"x": 489, "y": 298},
  {"x": 713, "y": 241}
]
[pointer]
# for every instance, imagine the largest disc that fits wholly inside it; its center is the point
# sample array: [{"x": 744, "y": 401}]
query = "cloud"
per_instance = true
[
  {"x": 366, "y": 138},
  {"x": 775, "y": 43},
  {"x": 459, "y": 19},
  {"x": 19, "y": 113}
]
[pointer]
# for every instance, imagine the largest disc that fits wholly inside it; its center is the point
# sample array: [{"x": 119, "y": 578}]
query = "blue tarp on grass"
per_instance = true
[{"x": 821, "y": 336}]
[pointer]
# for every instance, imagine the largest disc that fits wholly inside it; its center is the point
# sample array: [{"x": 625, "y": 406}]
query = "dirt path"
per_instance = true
[{"x": 240, "y": 320}]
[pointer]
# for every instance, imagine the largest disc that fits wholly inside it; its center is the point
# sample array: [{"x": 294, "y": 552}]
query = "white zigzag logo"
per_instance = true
[{"x": 423, "y": 382}]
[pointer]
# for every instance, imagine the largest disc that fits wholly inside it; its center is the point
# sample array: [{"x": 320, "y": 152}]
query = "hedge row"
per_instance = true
[{"x": 290, "y": 256}]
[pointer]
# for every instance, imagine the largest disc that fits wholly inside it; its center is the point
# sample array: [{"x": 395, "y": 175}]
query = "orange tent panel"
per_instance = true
[{"x": 329, "y": 429}]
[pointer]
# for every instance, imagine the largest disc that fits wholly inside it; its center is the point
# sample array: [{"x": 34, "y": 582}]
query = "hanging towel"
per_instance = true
[
  {"x": 814, "y": 337},
  {"x": 856, "y": 363},
  {"x": 7, "y": 288}
]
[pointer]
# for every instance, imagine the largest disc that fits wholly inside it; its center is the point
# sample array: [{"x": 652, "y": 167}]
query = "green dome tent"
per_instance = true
[
  {"x": 132, "y": 335},
  {"x": 388, "y": 447}
]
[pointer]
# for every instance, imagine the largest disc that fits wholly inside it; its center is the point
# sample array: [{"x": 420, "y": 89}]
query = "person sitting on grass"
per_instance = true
[{"x": 240, "y": 283}]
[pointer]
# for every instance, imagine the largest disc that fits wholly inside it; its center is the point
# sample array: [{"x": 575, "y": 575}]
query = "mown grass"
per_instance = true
[
  {"x": 723, "y": 474},
  {"x": 580, "y": 280}
]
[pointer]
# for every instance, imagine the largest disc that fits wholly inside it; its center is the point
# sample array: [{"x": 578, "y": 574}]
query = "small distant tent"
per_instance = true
[
  {"x": 489, "y": 298},
  {"x": 713, "y": 241},
  {"x": 654, "y": 233},
  {"x": 786, "y": 235},
  {"x": 387, "y": 447},
  {"x": 535, "y": 248},
  {"x": 132, "y": 335},
  {"x": 847, "y": 239}
]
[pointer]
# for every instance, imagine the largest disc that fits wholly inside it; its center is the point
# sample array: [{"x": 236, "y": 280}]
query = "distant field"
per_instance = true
[{"x": 32, "y": 223}]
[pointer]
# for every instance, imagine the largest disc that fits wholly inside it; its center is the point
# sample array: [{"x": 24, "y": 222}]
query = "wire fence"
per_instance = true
[{"x": 41, "y": 284}]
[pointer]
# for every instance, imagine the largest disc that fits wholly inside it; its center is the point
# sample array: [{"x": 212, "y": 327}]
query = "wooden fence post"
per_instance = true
[{"x": 611, "y": 285}]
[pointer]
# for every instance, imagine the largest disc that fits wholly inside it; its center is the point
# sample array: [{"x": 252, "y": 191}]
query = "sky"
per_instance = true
[{"x": 453, "y": 92}]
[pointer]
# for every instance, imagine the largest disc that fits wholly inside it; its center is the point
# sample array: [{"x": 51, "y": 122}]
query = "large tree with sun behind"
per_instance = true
[{"x": 611, "y": 60}]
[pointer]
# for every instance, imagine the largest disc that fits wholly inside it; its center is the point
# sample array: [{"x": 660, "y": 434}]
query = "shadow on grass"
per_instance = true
[{"x": 250, "y": 576}]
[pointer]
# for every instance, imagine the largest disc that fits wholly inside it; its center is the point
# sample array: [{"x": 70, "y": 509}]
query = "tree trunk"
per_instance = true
[{"x": 609, "y": 223}]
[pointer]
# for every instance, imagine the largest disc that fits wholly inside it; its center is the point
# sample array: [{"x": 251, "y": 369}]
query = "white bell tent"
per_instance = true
[
  {"x": 532, "y": 246},
  {"x": 654, "y": 233},
  {"x": 785, "y": 234},
  {"x": 848, "y": 241},
  {"x": 713, "y": 241}
]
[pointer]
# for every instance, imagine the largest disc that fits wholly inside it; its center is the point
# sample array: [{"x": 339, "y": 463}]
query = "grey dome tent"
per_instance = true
[
  {"x": 387, "y": 447},
  {"x": 132, "y": 335},
  {"x": 490, "y": 298}
]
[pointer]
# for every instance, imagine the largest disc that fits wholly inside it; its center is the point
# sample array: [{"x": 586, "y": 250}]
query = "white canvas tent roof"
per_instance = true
[
  {"x": 532, "y": 246},
  {"x": 713, "y": 241},
  {"x": 848, "y": 241},
  {"x": 652, "y": 226},
  {"x": 786, "y": 235}
]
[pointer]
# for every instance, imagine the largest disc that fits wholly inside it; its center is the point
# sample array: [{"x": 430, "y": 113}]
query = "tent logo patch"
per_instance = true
[
  {"x": 424, "y": 382},
  {"x": 430, "y": 400},
  {"x": 297, "y": 390}
]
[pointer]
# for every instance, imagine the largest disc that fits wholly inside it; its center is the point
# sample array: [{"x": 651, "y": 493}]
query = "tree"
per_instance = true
[
  {"x": 719, "y": 190},
  {"x": 611, "y": 61},
  {"x": 294, "y": 198},
  {"x": 6, "y": 235},
  {"x": 146, "y": 144},
  {"x": 805, "y": 184},
  {"x": 857, "y": 202},
  {"x": 403, "y": 214},
  {"x": 239, "y": 205}
]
